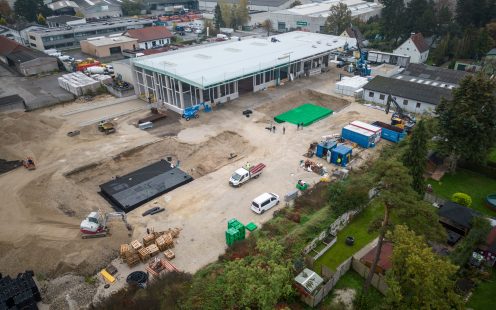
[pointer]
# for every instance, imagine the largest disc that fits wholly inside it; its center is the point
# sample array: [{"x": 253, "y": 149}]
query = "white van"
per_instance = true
[{"x": 264, "y": 202}]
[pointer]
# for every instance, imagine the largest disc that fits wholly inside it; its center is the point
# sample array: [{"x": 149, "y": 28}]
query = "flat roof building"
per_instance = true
[
  {"x": 108, "y": 46},
  {"x": 312, "y": 17},
  {"x": 68, "y": 37},
  {"x": 223, "y": 71}
]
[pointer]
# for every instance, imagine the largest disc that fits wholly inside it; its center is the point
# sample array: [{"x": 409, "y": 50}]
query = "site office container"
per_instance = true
[
  {"x": 360, "y": 136},
  {"x": 390, "y": 132},
  {"x": 375, "y": 129}
]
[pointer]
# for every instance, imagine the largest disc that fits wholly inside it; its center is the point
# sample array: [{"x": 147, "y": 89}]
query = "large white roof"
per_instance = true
[
  {"x": 321, "y": 9},
  {"x": 216, "y": 63}
]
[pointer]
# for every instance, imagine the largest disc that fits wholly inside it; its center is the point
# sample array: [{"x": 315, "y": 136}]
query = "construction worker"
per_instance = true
[
  {"x": 283, "y": 130},
  {"x": 338, "y": 161}
]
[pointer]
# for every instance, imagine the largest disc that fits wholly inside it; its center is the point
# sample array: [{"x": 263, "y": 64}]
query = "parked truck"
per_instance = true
[{"x": 246, "y": 173}]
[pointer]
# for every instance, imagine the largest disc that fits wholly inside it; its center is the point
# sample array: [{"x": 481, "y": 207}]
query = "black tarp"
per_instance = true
[{"x": 134, "y": 189}]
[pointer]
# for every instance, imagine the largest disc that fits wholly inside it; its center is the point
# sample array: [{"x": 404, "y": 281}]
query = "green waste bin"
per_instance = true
[{"x": 232, "y": 223}]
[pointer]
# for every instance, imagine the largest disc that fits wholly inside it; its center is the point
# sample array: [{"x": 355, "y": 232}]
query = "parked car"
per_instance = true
[
  {"x": 188, "y": 30},
  {"x": 264, "y": 202},
  {"x": 198, "y": 31}
]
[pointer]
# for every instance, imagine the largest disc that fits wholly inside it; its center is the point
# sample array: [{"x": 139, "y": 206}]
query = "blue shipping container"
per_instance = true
[
  {"x": 390, "y": 132},
  {"x": 341, "y": 155},
  {"x": 324, "y": 147},
  {"x": 360, "y": 136}
]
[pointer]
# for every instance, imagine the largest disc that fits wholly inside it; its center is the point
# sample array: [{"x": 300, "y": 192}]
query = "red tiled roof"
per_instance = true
[
  {"x": 385, "y": 258},
  {"x": 420, "y": 43},
  {"x": 149, "y": 33},
  {"x": 7, "y": 46}
]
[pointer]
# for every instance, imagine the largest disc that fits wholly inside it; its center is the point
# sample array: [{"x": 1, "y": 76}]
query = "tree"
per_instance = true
[
  {"x": 475, "y": 13},
  {"x": 29, "y": 9},
  {"x": 295, "y": 3},
  {"x": 418, "y": 278},
  {"x": 338, "y": 20},
  {"x": 349, "y": 195},
  {"x": 393, "y": 18},
  {"x": 3, "y": 21},
  {"x": 267, "y": 25},
  {"x": 242, "y": 13},
  {"x": 415, "y": 157},
  {"x": 5, "y": 9},
  {"x": 41, "y": 19},
  {"x": 402, "y": 205},
  {"x": 79, "y": 14},
  {"x": 467, "y": 123},
  {"x": 259, "y": 282},
  {"x": 131, "y": 8},
  {"x": 226, "y": 12},
  {"x": 477, "y": 235},
  {"x": 420, "y": 17},
  {"x": 218, "y": 21}
]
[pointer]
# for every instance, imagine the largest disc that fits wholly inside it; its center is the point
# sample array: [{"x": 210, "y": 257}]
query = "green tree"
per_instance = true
[
  {"x": 462, "y": 199},
  {"x": 267, "y": 25},
  {"x": 351, "y": 194},
  {"x": 475, "y": 13},
  {"x": 420, "y": 16},
  {"x": 131, "y": 8},
  {"x": 295, "y": 3},
  {"x": 226, "y": 12},
  {"x": 29, "y": 9},
  {"x": 242, "y": 13},
  {"x": 5, "y": 9},
  {"x": 218, "y": 21},
  {"x": 402, "y": 205},
  {"x": 418, "y": 278},
  {"x": 393, "y": 18},
  {"x": 415, "y": 157},
  {"x": 467, "y": 123},
  {"x": 3, "y": 21},
  {"x": 477, "y": 235},
  {"x": 338, "y": 20},
  {"x": 41, "y": 19},
  {"x": 259, "y": 282}
]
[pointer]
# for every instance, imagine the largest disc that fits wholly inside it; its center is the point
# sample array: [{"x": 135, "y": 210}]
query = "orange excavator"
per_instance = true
[{"x": 29, "y": 164}]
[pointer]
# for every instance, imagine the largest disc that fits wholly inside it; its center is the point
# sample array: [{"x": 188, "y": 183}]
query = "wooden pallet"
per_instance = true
[
  {"x": 168, "y": 265},
  {"x": 169, "y": 254},
  {"x": 144, "y": 254},
  {"x": 160, "y": 242},
  {"x": 125, "y": 250},
  {"x": 153, "y": 250},
  {"x": 149, "y": 239},
  {"x": 136, "y": 245},
  {"x": 132, "y": 260}
]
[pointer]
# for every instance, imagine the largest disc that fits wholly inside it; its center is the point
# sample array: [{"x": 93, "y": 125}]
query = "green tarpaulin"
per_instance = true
[{"x": 306, "y": 113}]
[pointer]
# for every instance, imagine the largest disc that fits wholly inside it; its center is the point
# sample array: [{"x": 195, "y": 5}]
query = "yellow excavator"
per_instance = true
[{"x": 400, "y": 118}]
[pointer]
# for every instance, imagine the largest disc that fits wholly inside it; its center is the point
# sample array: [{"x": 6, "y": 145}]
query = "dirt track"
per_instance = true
[{"x": 44, "y": 207}]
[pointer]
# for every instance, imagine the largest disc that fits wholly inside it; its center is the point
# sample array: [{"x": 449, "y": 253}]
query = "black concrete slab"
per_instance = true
[{"x": 134, "y": 189}]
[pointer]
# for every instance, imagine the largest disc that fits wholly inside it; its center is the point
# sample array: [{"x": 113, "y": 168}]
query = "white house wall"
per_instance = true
[
  {"x": 149, "y": 44},
  {"x": 410, "y": 106},
  {"x": 408, "y": 48}
]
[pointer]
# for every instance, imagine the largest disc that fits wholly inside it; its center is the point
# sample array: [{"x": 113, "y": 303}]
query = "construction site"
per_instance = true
[{"x": 74, "y": 155}]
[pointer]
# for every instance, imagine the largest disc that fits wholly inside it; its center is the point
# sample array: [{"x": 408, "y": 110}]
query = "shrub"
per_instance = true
[{"x": 462, "y": 199}]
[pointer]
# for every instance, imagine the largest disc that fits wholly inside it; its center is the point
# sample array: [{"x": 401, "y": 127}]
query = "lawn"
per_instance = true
[
  {"x": 468, "y": 182},
  {"x": 358, "y": 229},
  {"x": 492, "y": 155},
  {"x": 353, "y": 280},
  {"x": 483, "y": 296}
]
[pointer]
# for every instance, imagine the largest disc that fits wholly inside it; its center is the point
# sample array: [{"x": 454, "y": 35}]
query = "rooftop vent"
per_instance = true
[
  {"x": 233, "y": 50},
  {"x": 202, "y": 56}
]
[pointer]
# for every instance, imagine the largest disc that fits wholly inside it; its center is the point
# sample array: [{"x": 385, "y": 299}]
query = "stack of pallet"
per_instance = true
[
  {"x": 144, "y": 254},
  {"x": 149, "y": 239},
  {"x": 155, "y": 267},
  {"x": 129, "y": 255},
  {"x": 153, "y": 249}
]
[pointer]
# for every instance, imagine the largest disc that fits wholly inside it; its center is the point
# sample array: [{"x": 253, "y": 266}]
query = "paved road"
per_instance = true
[{"x": 36, "y": 91}]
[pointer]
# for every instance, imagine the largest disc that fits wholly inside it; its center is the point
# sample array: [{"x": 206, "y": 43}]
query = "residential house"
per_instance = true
[
  {"x": 150, "y": 37},
  {"x": 25, "y": 60},
  {"x": 348, "y": 33},
  {"x": 11, "y": 34},
  {"x": 418, "y": 89},
  {"x": 416, "y": 47}
]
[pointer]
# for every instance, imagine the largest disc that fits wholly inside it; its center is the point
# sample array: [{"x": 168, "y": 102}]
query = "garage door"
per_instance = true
[{"x": 115, "y": 50}]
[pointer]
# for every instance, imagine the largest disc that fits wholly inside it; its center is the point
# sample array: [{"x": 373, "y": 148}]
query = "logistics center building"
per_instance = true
[{"x": 223, "y": 71}]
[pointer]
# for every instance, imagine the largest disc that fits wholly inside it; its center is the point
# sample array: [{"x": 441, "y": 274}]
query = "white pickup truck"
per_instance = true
[{"x": 244, "y": 174}]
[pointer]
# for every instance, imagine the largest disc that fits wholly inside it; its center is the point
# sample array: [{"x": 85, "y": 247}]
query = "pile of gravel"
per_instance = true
[{"x": 68, "y": 292}]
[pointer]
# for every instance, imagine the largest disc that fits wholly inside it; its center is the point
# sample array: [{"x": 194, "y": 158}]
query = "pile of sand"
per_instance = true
[
  {"x": 18, "y": 130},
  {"x": 295, "y": 99}
]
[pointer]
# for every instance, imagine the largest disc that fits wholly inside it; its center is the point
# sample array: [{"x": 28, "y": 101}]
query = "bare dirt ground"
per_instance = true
[{"x": 44, "y": 207}]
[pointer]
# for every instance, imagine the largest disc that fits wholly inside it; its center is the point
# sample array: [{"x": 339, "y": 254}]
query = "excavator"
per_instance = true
[
  {"x": 399, "y": 118},
  {"x": 95, "y": 224},
  {"x": 361, "y": 66}
]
